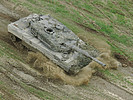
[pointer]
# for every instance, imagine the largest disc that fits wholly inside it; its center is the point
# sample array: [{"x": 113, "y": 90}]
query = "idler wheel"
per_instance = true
[{"x": 13, "y": 38}]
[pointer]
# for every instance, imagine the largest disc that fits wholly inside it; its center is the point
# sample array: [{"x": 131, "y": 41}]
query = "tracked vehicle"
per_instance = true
[{"x": 54, "y": 40}]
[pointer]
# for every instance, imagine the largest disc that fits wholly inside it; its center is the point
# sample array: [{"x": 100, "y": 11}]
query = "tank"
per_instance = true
[{"x": 54, "y": 40}]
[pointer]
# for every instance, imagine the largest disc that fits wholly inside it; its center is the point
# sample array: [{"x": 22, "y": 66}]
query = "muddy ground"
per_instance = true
[{"x": 18, "y": 81}]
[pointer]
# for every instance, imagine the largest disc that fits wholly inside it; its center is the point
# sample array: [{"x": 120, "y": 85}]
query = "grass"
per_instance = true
[
  {"x": 1, "y": 82},
  {"x": 5, "y": 88},
  {"x": 122, "y": 39},
  {"x": 116, "y": 77},
  {"x": 39, "y": 93},
  {"x": 1, "y": 97},
  {"x": 97, "y": 91},
  {"x": 115, "y": 49},
  {"x": 6, "y": 50}
]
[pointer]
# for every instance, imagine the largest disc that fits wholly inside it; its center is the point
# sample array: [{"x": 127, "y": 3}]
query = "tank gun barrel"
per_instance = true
[{"x": 85, "y": 53}]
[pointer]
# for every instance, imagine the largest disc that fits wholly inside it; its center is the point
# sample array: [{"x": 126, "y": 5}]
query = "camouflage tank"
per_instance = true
[{"x": 54, "y": 40}]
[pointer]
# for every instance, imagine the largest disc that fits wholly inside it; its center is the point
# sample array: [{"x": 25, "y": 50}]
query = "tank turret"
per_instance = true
[{"x": 52, "y": 33}]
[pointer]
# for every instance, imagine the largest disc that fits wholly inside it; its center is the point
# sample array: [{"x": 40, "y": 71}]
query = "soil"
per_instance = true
[
  {"x": 19, "y": 81},
  {"x": 125, "y": 62}
]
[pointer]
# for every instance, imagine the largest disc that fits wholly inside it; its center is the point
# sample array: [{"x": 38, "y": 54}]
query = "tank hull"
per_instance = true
[{"x": 71, "y": 64}]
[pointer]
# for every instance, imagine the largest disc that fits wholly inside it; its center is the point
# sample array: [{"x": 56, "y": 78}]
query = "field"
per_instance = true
[
  {"x": 106, "y": 25},
  {"x": 111, "y": 20}
]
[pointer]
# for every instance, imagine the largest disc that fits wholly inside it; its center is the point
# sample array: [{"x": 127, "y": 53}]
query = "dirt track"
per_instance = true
[{"x": 20, "y": 82}]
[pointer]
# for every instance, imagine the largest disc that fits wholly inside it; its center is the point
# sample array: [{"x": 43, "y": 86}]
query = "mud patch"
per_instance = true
[
  {"x": 125, "y": 62},
  {"x": 50, "y": 70},
  {"x": 10, "y": 18}
]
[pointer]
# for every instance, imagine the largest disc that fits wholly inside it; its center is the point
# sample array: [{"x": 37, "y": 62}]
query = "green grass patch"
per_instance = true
[
  {"x": 121, "y": 39},
  {"x": 14, "y": 1},
  {"x": 1, "y": 97},
  {"x": 1, "y": 82},
  {"x": 42, "y": 94},
  {"x": 1, "y": 53},
  {"x": 120, "y": 19},
  {"x": 12, "y": 91},
  {"x": 32, "y": 1},
  {"x": 6, "y": 88},
  {"x": 115, "y": 77},
  {"x": 105, "y": 28},
  {"x": 115, "y": 49},
  {"x": 98, "y": 2}
]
